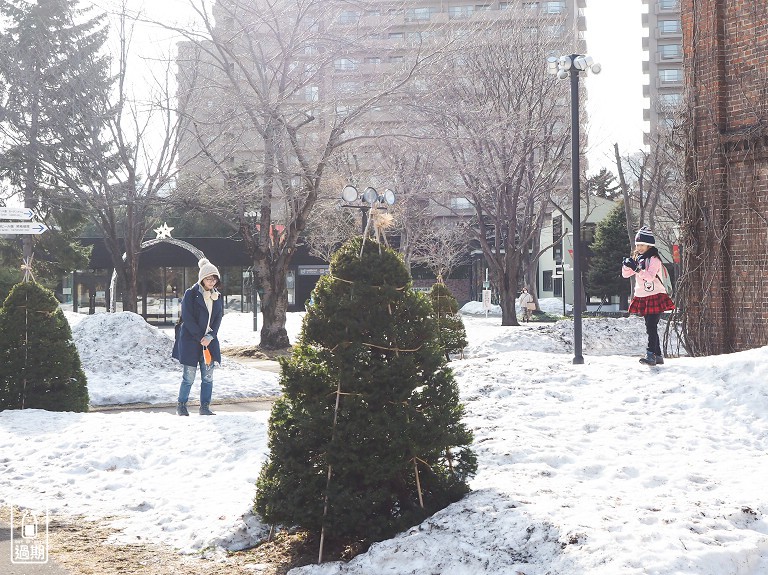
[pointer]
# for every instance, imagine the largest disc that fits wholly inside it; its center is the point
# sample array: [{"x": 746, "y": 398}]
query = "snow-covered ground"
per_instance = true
[{"x": 605, "y": 468}]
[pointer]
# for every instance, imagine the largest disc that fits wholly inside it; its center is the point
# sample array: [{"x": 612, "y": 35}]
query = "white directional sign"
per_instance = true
[
  {"x": 15, "y": 214},
  {"x": 7, "y": 228}
]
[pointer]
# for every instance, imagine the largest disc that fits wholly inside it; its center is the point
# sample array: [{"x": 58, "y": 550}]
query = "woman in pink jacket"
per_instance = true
[{"x": 650, "y": 298}]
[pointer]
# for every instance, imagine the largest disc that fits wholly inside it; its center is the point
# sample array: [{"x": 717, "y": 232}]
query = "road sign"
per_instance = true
[
  {"x": 8, "y": 228},
  {"x": 15, "y": 214}
]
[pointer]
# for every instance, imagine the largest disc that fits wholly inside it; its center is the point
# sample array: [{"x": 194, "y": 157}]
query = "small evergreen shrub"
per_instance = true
[
  {"x": 370, "y": 343},
  {"x": 39, "y": 364},
  {"x": 453, "y": 335}
]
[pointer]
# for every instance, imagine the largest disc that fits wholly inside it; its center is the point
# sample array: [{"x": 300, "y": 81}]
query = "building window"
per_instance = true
[
  {"x": 670, "y": 76},
  {"x": 397, "y": 36},
  {"x": 373, "y": 60},
  {"x": 670, "y": 27},
  {"x": 670, "y": 100},
  {"x": 460, "y": 11},
  {"x": 557, "y": 30},
  {"x": 546, "y": 278},
  {"x": 396, "y": 59},
  {"x": 671, "y": 51},
  {"x": 344, "y": 64},
  {"x": 557, "y": 240},
  {"x": 419, "y": 14},
  {"x": 312, "y": 93},
  {"x": 460, "y": 204},
  {"x": 667, "y": 122},
  {"x": 348, "y": 17},
  {"x": 669, "y": 4},
  {"x": 531, "y": 6},
  {"x": 554, "y": 7}
]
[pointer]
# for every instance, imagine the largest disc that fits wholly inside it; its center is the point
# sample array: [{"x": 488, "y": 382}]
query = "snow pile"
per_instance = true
[
  {"x": 127, "y": 360},
  {"x": 108, "y": 339},
  {"x": 551, "y": 305},
  {"x": 182, "y": 481},
  {"x": 604, "y": 468}
]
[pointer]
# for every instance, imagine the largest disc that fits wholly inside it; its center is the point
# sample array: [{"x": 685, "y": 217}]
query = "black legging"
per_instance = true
[{"x": 652, "y": 329}]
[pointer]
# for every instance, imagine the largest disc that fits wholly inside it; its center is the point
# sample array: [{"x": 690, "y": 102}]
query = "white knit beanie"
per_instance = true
[{"x": 207, "y": 269}]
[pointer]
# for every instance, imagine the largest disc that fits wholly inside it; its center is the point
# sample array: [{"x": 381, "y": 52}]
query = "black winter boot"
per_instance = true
[
  {"x": 205, "y": 409},
  {"x": 649, "y": 359},
  {"x": 659, "y": 360},
  {"x": 181, "y": 408}
]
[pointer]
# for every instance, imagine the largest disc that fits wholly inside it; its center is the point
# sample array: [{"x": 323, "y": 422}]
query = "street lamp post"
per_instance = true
[
  {"x": 563, "y": 67},
  {"x": 368, "y": 200},
  {"x": 254, "y": 216}
]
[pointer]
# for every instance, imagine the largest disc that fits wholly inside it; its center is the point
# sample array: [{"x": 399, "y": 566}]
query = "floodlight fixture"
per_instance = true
[
  {"x": 370, "y": 195},
  {"x": 349, "y": 193}
]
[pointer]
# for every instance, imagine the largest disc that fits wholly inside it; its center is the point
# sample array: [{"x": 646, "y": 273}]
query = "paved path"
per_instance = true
[{"x": 224, "y": 406}]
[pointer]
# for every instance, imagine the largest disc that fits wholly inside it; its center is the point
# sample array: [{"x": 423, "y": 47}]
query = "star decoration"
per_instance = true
[{"x": 163, "y": 231}]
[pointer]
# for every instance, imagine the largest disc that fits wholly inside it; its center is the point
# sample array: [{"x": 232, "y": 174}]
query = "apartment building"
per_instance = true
[
  {"x": 371, "y": 40},
  {"x": 350, "y": 50},
  {"x": 664, "y": 66}
]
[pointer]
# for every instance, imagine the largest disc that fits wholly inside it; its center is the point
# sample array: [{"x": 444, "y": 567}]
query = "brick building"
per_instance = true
[{"x": 724, "y": 290}]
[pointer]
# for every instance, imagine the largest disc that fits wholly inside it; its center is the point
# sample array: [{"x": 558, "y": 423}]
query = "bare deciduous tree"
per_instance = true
[
  {"x": 444, "y": 248},
  {"x": 500, "y": 121},
  {"x": 128, "y": 149},
  {"x": 278, "y": 91}
]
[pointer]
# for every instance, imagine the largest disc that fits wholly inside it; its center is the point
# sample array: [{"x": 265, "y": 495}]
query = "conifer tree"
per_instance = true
[
  {"x": 367, "y": 438},
  {"x": 52, "y": 74},
  {"x": 39, "y": 364},
  {"x": 609, "y": 247},
  {"x": 453, "y": 336}
]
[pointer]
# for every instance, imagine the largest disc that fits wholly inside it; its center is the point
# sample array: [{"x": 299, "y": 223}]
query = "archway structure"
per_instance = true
[{"x": 169, "y": 240}]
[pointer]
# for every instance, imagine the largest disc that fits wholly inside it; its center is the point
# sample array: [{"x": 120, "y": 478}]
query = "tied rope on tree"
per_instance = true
[{"x": 26, "y": 268}]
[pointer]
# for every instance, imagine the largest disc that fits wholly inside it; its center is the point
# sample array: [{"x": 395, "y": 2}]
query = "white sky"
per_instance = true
[
  {"x": 615, "y": 104},
  {"x": 604, "y": 468}
]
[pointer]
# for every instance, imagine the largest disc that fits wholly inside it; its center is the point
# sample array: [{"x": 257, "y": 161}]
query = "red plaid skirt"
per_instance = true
[{"x": 656, "y": 303}]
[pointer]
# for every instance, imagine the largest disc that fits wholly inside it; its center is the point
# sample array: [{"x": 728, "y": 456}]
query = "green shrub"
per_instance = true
[
  {"x": 39, "y": 364},
  {"x": 453, "y": 336},
  {"x": 369, "y": 342}
]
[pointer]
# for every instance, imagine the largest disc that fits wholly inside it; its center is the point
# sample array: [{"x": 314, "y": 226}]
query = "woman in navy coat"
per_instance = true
[{"x": 201, "y": 312}]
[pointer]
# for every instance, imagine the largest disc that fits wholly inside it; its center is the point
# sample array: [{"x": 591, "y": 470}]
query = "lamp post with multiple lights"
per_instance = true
[
  {"x": 369, "y": 199},
  {"x": 253, "y": 217},
  {"x": 563, "y": 67}
]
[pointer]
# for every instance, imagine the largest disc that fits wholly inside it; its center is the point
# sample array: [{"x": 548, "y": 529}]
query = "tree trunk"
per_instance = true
[
  {"x": 507, "y": 300},
  {"x": 507, "y": 297},
  {"x": 274, "y": 304}
]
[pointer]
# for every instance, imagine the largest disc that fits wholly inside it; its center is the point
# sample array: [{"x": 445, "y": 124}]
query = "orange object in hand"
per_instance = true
[{"x": 207, "y": 356}]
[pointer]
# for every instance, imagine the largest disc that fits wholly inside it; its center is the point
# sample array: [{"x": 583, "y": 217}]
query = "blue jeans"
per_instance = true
[{"x": 206, "y": 381}]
